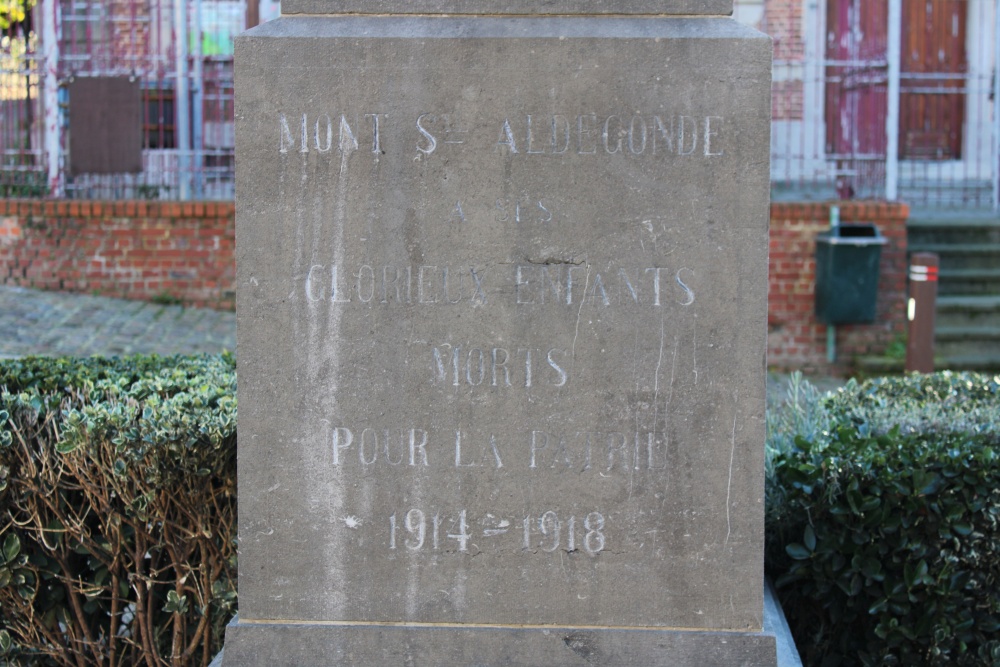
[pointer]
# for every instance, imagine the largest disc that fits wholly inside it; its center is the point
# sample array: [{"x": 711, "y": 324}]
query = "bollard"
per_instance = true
[{"x": 920, "y": 312}]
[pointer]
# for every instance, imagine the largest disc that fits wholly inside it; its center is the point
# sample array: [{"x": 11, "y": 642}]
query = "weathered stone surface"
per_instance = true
[
  {"x": 501, "y": 309},
  {"x": 301, "y": 645},
  {"x": 495, "y": 7}
]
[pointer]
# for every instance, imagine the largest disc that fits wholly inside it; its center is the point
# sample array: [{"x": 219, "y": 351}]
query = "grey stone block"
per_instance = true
[
  {"x": 776, "y": 624},
  {"x": 305, "y": 645},
  {"x": 502, "y": 292}
]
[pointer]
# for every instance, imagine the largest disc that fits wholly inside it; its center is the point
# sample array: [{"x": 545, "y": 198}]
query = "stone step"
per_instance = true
[
  {"x": 981, "y": 311},
  {"x": 933, "y": 231},
  {"x": 967, "y": 333},
  {"x": 962, "y": 255},
  {"x": 972, "y": 282},
  {"x": 962, "y": 197},
  {"x": 942, "y": 217},
  {"x": 956, "y": 248},
  {"x": 976, "y": 362},
  {"x": 967, "y": 342}
]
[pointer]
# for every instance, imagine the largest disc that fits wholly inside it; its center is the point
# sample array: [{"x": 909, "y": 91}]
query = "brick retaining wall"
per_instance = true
[
  {"x": 133, "y": 249},
  {"x": 184, "y": 252},
  {"x": 795, "y": 338}
]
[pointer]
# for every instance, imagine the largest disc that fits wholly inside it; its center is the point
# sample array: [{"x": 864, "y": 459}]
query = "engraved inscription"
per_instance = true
[
  {"x": 415, "y": 524},
  {"x": 604, "y": 452},
  {"x": 393, "y": 447},
  {"x": 594, "y": 134},
  {"x": 387, "y": 284},
  {"x": 567, "y": 284},
  {"x": 490, "y": 454},
  {"x": 467, "y": 365},
  {"x": 559, "y": 283},
  {"x": 522, "y": 210},
  {"x": 439, "y": 128},
  {"x": 537, "y": 276},
  {"x": 326, "y": 132},
  {"x": 551, "y": 535},
  {"x": 597, "y": 452},
  {"x": 416, "y": 531},
  {"x": 621, "y": 134}
]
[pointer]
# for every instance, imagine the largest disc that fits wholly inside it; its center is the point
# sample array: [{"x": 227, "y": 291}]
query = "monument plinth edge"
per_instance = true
[{"x": 509, "y": 7}]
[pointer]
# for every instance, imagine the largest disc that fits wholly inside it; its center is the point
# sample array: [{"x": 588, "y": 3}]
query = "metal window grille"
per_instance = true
[{"x": 159, "y": 130}]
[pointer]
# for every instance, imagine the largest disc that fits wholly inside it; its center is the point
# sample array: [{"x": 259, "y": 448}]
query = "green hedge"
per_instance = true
[
  {"x": 117, "y": 509},
  {"x": 883, "y": 521}
]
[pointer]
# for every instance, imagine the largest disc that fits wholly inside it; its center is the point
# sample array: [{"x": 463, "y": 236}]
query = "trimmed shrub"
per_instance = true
[
  {"x": 883, "y": 528},
  {"x": 936, "y": 404},
  {"x": 117, "y": 509}
]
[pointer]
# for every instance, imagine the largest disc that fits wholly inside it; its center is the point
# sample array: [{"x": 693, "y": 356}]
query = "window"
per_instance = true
[{"x": 159, "y": 118}]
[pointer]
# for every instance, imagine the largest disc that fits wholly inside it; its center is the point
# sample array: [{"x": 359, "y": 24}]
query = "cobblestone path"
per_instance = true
[{"x": 34, "y": 322}]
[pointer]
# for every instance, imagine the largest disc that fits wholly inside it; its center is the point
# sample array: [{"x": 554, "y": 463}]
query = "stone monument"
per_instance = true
[{"x": 502, "y": 299}]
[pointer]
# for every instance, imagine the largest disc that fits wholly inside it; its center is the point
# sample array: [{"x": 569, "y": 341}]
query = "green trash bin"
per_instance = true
[{"x": 847, "y": 259}]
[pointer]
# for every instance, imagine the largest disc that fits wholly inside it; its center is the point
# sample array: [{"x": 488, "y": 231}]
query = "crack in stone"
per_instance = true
[{"x": 548, "y": 261}]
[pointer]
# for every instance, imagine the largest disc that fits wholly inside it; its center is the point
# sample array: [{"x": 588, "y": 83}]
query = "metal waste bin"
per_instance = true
[{"x": 847, "y": 259}]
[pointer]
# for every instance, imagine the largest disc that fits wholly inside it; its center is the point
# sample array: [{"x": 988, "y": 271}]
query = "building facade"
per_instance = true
[
  {"x": 887, "y": 99},
  {"x": 102, "y": 100},
  {"x": 883, "y": 99}
]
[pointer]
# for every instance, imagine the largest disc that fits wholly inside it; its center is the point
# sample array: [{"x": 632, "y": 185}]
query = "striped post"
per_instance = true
[{"x": 920, "y": 312}]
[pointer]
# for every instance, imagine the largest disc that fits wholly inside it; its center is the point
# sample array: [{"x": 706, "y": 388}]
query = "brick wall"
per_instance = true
[
  {"x": 795, "y": 338},
  {"x": 133, "y": 249},
  {"x": 783, "y": 21},
  {"x": 148, "y": 250}
]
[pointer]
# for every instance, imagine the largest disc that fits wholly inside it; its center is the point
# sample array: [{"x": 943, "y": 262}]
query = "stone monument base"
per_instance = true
[{"x": 299, "y": 644}]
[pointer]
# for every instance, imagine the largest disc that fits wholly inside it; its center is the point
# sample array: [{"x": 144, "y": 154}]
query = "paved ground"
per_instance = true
[{"x": 33, "y": 322}]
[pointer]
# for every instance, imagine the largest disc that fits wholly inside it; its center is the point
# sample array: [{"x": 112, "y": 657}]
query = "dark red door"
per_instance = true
[{"x": 856, "y": 94}]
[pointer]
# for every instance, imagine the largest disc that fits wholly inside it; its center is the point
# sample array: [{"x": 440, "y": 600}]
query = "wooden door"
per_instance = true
[
  {"x": 932, "y": 80},
  {"x": 856, "y": 92}
]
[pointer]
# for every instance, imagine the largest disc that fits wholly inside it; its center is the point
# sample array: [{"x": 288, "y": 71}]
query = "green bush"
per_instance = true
[
  {"x": 883, "y": 526},
  {"x": 117, "y": 509}
]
